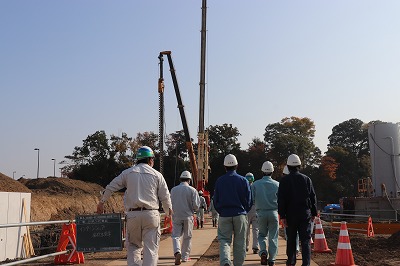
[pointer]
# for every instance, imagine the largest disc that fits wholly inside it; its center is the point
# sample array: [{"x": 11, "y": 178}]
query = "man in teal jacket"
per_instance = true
[{"x": 265, "y": 194}]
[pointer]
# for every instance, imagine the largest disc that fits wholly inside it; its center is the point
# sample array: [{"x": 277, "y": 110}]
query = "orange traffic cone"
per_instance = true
[
  {"x": 344, "y": 255},
  {"x": 370, "y": 229},
  {"x": 68, "y": 237},
  {"x": 320, "y": 244}
]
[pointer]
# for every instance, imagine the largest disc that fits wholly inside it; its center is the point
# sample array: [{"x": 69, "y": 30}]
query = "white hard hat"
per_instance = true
[
  {"x": 200, "y": 192},
  {"x": 267, "y": 167},
  {"x": 186, "y": 175},
  {"x": 293, "y": 160},
  {"x": 230, "y": 160},
  {"x": 285, "y": 170}
]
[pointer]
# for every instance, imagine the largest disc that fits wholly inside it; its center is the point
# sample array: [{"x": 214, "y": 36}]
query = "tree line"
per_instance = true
[{"x": 335, "y": 174}]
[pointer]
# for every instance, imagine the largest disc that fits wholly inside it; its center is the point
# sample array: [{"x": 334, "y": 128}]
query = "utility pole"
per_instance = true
[
  {"x": 38, "y": 150},
  {"x": 54, "y": 167}
]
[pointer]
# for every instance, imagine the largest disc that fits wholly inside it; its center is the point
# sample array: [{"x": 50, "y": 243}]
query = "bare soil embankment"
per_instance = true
[{"x": 60, "y": 198}]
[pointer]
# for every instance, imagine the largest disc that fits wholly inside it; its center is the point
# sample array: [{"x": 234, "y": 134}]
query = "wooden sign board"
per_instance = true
[{"x": 100, "y": 232}]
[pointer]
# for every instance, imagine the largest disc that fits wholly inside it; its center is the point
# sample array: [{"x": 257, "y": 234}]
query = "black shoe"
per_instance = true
[
  {"x": 255, "y": 251},
  {"x": 271, "y": 263},
  {"x": 264, "y": 259},
  {"x": 178, "y": 257}
]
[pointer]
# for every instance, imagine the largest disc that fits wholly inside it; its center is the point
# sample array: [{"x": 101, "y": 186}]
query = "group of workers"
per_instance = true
[{"x": 237, "y": 202}]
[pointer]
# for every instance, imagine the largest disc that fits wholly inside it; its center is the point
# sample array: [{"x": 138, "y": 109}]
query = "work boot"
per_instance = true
[
  {"x": 198, "y": 223},
  {"x": 201, "y": 223},
  {"x": 213, "y": 223},
  {"x": 271, "y": 263},
  {"x": 264, "y": 259},
  {"x": 178, "y": 257}
]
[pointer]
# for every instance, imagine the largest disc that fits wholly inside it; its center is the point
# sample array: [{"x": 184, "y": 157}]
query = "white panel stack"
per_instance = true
[
  {"x": 11, "y": 238},
  {"x": 384, "y": 144}
]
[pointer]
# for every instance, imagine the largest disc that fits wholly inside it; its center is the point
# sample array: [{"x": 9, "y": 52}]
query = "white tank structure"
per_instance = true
[{"x": 384, "y": 145}]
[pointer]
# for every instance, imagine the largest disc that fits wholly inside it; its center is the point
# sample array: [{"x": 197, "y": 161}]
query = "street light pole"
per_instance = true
[
  {"x": 13, "y": 174},
  {"x": 38, "y": 150},
  {"x": 54, "y": 160}
]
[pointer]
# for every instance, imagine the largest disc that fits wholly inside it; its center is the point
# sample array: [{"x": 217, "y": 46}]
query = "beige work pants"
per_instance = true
[{"x": 143, "y": 233}]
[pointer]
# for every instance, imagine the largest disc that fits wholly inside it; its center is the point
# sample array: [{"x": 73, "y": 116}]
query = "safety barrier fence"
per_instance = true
[
  {"x": 378, "y": 215},
  {"x": 355, "y": 227},
  {"x": 364, "y": 224},
  {"x": 164, "y": 226}
]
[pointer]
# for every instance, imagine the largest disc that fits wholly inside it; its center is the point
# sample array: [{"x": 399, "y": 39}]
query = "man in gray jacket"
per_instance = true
[{"x": 185, "y": 201}]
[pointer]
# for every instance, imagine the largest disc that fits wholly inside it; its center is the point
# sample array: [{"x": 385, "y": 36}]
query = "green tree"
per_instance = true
[
  {"x": 148, "y": 138},
  {"x": 292, "y": 135},
  {"x": 254, "y": 158},
  {"x": 176, "y": 159},
  {"x": 348, "y": 145},
  {"x": 100, "y": 159},
  {"x": 93, "y": 162},
  {"x": 223, "y": 139},
  {"x": 352, "y": 135},
  {"x": 347, "y": 173},
  {"x": 176, "y": 144},
  {"x": 121, "y": 150}
]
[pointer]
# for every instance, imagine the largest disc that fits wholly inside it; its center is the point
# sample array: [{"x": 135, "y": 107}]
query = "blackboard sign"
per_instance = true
[{"x": 96, "y": 233}]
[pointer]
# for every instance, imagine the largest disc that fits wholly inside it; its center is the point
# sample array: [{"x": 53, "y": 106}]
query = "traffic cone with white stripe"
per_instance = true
[
  {"x": 320, "y": 244},
  {"x": 344, "y": 255}
]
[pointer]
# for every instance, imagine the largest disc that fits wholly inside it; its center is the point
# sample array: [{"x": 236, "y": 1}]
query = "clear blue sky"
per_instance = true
[{"x": 70, "y": 68}]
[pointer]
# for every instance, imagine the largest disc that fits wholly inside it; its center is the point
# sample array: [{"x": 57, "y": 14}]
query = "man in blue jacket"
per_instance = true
[{"x": 232, "y": 200}]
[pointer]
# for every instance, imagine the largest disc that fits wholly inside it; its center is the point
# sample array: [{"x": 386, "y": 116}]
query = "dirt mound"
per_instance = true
[
  {"x": 7, "y": 184},
  {"x": 56, "y": 186},
  {"x": 60, "y": 198}
]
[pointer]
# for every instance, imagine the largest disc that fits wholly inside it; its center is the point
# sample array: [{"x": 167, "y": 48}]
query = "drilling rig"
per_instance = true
[{"x": 199, "y": 167}]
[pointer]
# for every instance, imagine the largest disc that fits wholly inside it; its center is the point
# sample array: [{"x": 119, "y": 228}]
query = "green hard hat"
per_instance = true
[
  {"x": 250, "y": 177},
  {"x": 144, "y": 152}
]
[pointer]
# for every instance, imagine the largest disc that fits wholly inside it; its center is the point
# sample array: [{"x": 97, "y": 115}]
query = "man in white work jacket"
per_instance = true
[
  {"x": 145, "y": 188},
  {"x": 185, "y": 201}
]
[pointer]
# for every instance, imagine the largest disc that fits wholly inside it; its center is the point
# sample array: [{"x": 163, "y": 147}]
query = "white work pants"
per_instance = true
[
  {"x": 200, "y": 214},
  {"x": 252, "y": 220},
  {"x": 182, "y": 227},
  {"x": 143, "y": 233}
]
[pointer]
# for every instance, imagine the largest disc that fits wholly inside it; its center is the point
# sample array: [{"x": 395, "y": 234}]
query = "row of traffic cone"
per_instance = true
[{"x": 344, "y": 254}]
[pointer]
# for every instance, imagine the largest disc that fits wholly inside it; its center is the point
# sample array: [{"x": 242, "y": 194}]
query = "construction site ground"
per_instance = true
[{"x": 60, "y": 198}]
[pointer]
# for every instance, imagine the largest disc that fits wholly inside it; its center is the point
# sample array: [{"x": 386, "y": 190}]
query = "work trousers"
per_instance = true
[
  {"x": 297, "y": 240},
  {"x": 143, "y": 234},
  {"x": 252, "y": 220},
  {"x": 200, "y": 214},
  {"x": 235, "y": 227},
  {"x": 268, "y": 226},
  {"x": 182, "y": 227},
  {"x": 303, "y": 227}
]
